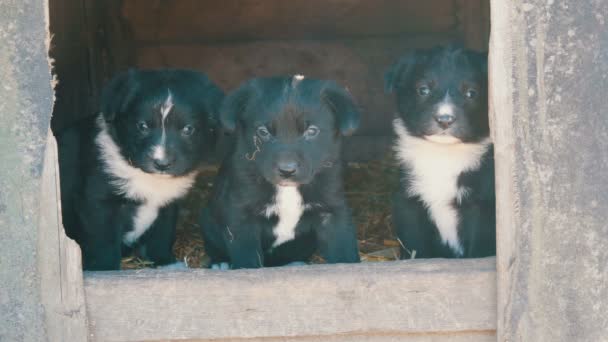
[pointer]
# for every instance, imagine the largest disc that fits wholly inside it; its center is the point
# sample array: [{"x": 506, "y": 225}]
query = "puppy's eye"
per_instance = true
[
  {"x": 263, "y": 132},
  {"x": 188, "y": 130},
  {"x": 424, "y": 90},
  {"x": 142, "y": 126},
  {"x": 311, "y": 132},
  {"x": 470, "y": 94}
]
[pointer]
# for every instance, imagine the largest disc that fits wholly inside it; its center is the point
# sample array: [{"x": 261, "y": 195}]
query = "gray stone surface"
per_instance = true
[
  {"x": 25, "y": 110},
  {"x": 549, "y": 70}
]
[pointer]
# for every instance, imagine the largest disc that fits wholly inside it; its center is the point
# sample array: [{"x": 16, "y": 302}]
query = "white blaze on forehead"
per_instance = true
[
  {"x": 165, "y": 109},
  {"x": 296, "y": 80}
]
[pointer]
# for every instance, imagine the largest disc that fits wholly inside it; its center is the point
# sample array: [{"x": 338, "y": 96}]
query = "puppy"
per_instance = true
[
  {"x": 123, "y": 171},
  {"x": 445, "y": 206},
  {"x": 278, "y": 196}
]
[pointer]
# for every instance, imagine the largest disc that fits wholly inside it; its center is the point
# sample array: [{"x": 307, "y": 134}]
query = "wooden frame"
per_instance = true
[
  {"x": 551, "y": 194},
  {"x": 421, "y": 300}
]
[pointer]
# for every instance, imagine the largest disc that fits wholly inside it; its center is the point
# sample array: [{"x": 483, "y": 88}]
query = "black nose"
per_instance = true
[
  {"x": 287, "y": 169},
  {"x": 445, "y": 120},
  {"x": 162, "y": 164}
]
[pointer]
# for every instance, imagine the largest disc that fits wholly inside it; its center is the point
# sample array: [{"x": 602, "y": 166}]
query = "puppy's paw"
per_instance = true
[
  {"x": 222, "y": 266},
  {"x": 174, "y": 266},
  {"x": 297, "y": 263}
]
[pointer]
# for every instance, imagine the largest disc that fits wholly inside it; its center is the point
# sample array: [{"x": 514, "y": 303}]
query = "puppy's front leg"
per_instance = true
[
  {"x": 160, "y": 237},
  {"x": 100, "y": 239},
  {"x": 244, "y": 245},
  {"x": 337, "y": 237}
]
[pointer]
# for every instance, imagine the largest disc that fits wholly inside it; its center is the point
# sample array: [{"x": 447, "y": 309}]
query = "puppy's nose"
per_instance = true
[
  {"x": 287, "y": 169},
  {"x": 445, "y": 120},
  {"x": 162, "y": 164}
]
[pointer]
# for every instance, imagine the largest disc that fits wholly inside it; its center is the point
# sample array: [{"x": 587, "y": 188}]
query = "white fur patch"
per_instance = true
[
  {"x": 443, "y": 139},
  {"x": 435, "y": 168},
  {"x": 446, "y": 107},
  {"x": 159, "y": 152},
  {"x": 165, "y": 109},
  {"x": 153, "y": 190},
  {"x": 288, "y": 207},
  {"x": 296, "y": 80}
]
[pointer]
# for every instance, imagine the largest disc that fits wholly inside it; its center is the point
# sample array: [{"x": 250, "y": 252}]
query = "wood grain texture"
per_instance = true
[
  {"x": 187, "y": 21},
  {"x": 467, "y": 336},
  {"x": 60, "y": 267},
  {"x": 549, "y": 71},
  {"x": 419, "y": 296}
]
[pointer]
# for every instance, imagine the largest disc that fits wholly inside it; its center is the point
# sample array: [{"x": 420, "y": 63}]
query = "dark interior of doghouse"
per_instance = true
[{"x": 350, "y": 41}]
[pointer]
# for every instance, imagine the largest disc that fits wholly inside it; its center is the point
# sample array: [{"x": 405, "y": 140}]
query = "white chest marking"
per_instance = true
[
  {"x": 153, "y": 190},
  {"x": 434, "y": 170},
  {"x": 288, "y": 207},
  {"x": 165, "y": 109}
]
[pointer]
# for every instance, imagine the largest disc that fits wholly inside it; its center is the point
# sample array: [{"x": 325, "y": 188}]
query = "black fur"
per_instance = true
[
  {"x": 462, "y": 73},
  {"x": 97, "y": 212},
  {"x": 271, "y": 122}
]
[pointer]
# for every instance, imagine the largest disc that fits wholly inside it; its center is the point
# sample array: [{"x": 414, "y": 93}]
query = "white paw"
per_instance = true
[
  {"x": 174, "y": 266},
  {"x": 222, "y": 266},
  {"x": 297, "y": 263}
]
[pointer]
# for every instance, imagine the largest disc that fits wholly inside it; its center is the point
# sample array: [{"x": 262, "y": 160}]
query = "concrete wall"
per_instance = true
[
  {"x": 549, "y": 69},
  {"x": 25, "y": 113}
]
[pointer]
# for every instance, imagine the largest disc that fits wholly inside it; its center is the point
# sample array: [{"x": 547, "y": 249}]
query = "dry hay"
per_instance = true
[{"x": 369, "y": 187}]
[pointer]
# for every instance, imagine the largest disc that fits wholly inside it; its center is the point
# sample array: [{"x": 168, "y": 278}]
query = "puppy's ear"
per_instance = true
[
  {"x": 399, "y": 72},
  {"x": 234, "y": 104},
  {"x": 118, "y": 93},
  {"x": 342, "y": 105}
]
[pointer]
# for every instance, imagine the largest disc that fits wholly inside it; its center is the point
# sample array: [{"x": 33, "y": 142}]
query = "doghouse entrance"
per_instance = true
[{"x": 352, "y": 42}]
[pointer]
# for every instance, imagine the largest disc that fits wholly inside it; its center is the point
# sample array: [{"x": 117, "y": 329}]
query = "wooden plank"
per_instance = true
[
  {"x": 549, "y": 68},
  {"x": 468, "y": 336},
  {"x": 60, "y": 267},
  {"x": 180, "y": 21},
  {"x": 474, "y": 23},
  {"x": 405, "y": 297}
]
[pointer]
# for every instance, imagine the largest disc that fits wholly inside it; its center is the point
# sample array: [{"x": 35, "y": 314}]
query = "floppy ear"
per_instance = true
[
  {"x": 233, "y": 105},
  {"x": 118, "y": 93},
  {"x": 342, "y": 105},
  {"x": 400, "y": 71}
]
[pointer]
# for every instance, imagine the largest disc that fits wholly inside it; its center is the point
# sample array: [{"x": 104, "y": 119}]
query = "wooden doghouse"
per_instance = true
[{"x": 548, "y": 82}]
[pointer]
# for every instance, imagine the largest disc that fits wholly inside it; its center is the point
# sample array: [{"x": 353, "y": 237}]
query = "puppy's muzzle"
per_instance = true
[
  {"x": 445, "y": 120},
  {"x": 287, "y": 169}
]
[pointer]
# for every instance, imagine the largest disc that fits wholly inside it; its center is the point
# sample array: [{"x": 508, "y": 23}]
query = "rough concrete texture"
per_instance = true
[
  {"x": 25, "y": 111},
  {"x": 549, "y": 70}
]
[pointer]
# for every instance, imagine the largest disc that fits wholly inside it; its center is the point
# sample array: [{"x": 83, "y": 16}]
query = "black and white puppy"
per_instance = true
[
  {"x": 278, "y": 196},
  {"x": 445, "y": 206},
  {"x": 123, "y": 171}
]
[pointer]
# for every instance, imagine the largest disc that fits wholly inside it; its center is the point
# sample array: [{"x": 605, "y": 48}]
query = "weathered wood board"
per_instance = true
[
  {"x": 549, "y": 82},
  {"x": 393, "y": 298}
]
